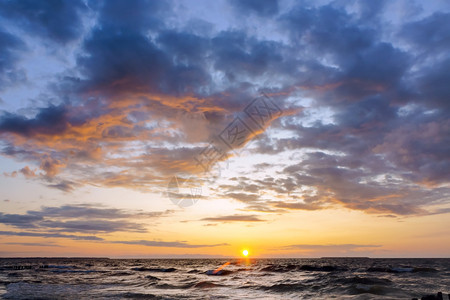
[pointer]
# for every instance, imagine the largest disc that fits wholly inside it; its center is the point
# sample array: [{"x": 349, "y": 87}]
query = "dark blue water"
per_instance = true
[{"x": 338, "y": 278}]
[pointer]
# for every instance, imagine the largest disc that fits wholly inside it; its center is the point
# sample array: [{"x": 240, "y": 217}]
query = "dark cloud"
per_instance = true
[
  {"x": 262, "y": 8},
  {"x": 47, "y": 18},
  {"x": 433, "y": 90},
  {"x": 20, "y": 221},
  {"x": 11, "y": 48},
  {"x": 139, "y": 15},
  {"x": 83, "y": 218},
  {"x": 90, "y": 211},
  {"x": 370, "y": 10},
  {"x": 122, "y": 61},
  {"x": 93, "y": 225},
  {"x": 328, "y": 29},
  {"x": 431, "y": 34},
  {"x": 65, "y": 186},
  {"x": 238, "y": 55},
  {"x": 184, "y": 47},
  {"x": 51, "y": 120}
]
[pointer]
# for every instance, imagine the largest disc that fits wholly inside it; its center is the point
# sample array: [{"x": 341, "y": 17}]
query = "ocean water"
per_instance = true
[{"x": 326, "y": 278}]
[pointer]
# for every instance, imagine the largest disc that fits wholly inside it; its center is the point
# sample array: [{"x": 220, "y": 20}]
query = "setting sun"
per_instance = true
[{"x": 245, "y": 253}]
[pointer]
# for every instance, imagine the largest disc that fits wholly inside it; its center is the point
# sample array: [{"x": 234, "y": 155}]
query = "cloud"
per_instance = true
[
  {"x": 330, "y": 247},
  {"x": 263, "y": 8},
  {"x": 52, "y": 235},
  {"x": 65, "y": 186},
  {"x": 234, "y": 218},
  {"x": 365, "y": 101},
  {"x": 47, "y": 19},
  {"x": 134, "y": 16},
  {"x": 49, "y": 121},
  {"x": 35, "y": 244},
  {"x": 429, "y": 33},
  {"x": 168, "y": 244},
  {"x": 297, "y": 205},
  {"x": 27, "y": 172},
  {"x": 20, "y": 221},
  {"x": 11, "y": 48},
  {"x": 82, "y": 218}
]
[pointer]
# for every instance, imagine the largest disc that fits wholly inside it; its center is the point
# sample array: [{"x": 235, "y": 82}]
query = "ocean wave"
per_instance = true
[
  {"x": 291, "y": 267},
  {"x": 168, "y": 286},
  {"x": 121, "y": 274},
  {"x": 3, "y": 268},
  {"x": 153, "y": 278},
  {"x": 279, "y": 268},
  {"x": 140, "y": 296},
  {"x": 218, "y": 273},
  {"x": 327, "y": 268},
  {"x": 207, "y": 284},
  {"x": 57, "y": 267},
  {"x": 365, "y": 280},
  {"x": 284, "y": 287},
  {"x": 401, "y": 269},
  {"x": 144, "y": 269},
  {"x": 370, "y": 289}
]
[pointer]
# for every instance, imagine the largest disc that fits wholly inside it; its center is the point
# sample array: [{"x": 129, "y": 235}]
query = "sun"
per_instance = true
[{"x": 245, "y": 252}]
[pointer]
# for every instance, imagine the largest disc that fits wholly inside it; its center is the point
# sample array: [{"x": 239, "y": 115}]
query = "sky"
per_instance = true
[{"x": 202, "y": 128}]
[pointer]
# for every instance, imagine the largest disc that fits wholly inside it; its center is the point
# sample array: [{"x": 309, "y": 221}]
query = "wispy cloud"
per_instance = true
[
  {"x": 35, "y": 244},
  {"x": 168, "y": 244},
  {"x": 52, "y": 235},
  {"x": 234, "y": 218},
  {"x": 82, "y": 218},
  {"x": 330, "y": 247}
]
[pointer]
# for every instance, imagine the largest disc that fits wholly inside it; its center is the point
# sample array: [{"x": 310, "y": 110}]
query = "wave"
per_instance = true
[
  {"x": 57, "y": 267},
  {"x": 121, "y": 274},
  {"x": 279, "y": 268},
  {"x": 218, "y": 273},
  {"x": 141, "y": 296},
  {"x": 284, "y": 287},
  {"x": 314, "y": 268},
  {"x": 16, "y": 267},
  {"x": 144, "y": 269},
  {"x": 365, "y": 280},
  {"x": 401, "y": 269},
  {"x": 206, "y": 285},
  {"x": 327, "y": 268},
  {"x": 153, "y": 278},
  {"x": 370, "y": 289},
  {"x": 168, "y": 286}
]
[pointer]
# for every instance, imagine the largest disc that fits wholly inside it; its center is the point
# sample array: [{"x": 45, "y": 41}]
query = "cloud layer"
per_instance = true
[
  {"x": 363, "y": 90},
  {"x": 88, "y": 222}
]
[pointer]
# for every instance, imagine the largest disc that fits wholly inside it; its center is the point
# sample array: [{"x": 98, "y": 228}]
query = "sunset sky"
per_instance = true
[{"x": 103, "y": 103}]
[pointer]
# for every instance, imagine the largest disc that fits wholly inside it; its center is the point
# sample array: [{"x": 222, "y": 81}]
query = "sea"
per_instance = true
[{"x": 318, "y": 278}]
